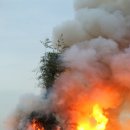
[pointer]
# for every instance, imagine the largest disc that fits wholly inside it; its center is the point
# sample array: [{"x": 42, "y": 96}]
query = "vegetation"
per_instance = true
[{"x": 51, "y": 66}]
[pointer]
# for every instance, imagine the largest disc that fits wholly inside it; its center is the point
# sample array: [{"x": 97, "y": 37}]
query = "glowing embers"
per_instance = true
[
  {"x": 96, "y": 121},
  {"x": 35, "y": 125}
]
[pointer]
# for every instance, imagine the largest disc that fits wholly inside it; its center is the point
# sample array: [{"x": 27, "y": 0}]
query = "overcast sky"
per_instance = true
[{"x": 23, "y": 24}]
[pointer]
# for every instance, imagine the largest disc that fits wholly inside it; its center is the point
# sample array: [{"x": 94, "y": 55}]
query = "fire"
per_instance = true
[
  {"x": 35, "y": 125},
  {"x": 96, "y": 121}
]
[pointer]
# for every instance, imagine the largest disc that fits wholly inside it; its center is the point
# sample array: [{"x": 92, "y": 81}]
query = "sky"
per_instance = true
[{"x": 23, "y": 23}]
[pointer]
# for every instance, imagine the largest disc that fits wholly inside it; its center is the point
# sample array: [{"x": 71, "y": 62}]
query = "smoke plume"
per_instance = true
[
  {"x": 97, "y": 59},
  {"x": 97, "y": 62}
]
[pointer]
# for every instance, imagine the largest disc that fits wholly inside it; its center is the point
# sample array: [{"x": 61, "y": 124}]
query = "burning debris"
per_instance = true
[
  {"x": 93, "y": 93},
  {"x": 40, "y": 121}
]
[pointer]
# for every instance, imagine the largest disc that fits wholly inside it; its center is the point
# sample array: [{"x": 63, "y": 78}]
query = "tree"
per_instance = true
[{"x": 51, "y": 66}]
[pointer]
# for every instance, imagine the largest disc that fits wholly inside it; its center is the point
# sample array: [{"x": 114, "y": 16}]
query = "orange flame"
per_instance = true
[
  {"x": 35, "y": 125},
  {"x": 96, "y": 121}
]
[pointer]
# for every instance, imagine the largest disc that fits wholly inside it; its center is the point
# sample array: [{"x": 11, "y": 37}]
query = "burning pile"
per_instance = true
[
  {"x": 93, "y": 93},
  {"x": 40, "y": 121}
]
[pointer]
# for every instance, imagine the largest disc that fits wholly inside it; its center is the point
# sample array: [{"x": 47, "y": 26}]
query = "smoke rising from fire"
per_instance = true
[
  {"x": 97, "y": 62},
  {"x": 96, "y": 18}
]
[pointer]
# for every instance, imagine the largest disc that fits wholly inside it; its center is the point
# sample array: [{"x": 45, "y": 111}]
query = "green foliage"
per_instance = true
[
  {"x": 50, "y": 65},
  {"x": 49, "y": 68}
]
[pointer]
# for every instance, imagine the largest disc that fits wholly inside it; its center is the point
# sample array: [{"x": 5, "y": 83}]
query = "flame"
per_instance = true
[
  {"x": 96, "y": 121},
  {"x": 35, "y": 125}
]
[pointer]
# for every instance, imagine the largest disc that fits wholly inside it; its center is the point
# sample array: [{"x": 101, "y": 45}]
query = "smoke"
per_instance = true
[
  {"x": 96, "y": 18},
  {"x": 97, "y": 67},
  {"x": 110, "y": 6},
  {"x": 97, "y": 61},
  {"x": 28, "y": 103}
]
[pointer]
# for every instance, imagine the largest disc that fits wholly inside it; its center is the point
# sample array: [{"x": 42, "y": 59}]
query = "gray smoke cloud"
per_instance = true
[{"x": 96, "y": 18}]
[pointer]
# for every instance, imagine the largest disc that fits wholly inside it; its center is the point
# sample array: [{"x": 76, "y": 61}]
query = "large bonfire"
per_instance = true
[{"x": 93, "y": 93}]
